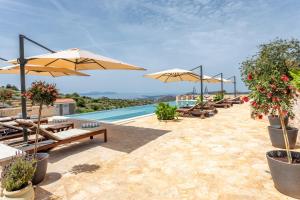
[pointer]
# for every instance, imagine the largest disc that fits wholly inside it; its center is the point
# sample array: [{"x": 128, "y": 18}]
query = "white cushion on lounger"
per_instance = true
[
  {"x": 4, "y": 119},
  {"x": 11, "y": 123},
  {"x": 45, "y": 126},
  {"x": 71, "y": 133},
  {"x": 50, "y": 119},
  {"x": 7, "y": 152}
]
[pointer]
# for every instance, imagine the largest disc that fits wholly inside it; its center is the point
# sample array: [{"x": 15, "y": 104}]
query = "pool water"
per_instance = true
[{"x": 118, "y": 114}]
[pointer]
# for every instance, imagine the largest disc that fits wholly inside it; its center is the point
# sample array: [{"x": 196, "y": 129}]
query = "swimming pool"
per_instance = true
[{"x": 118, "y": 114}]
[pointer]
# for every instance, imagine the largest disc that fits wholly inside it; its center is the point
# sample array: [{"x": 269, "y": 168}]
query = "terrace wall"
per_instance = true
[{"x": 46, "y": 112}]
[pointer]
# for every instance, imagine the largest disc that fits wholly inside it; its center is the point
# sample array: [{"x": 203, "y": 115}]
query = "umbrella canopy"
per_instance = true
[
  {"x": 76, "y": 59},
  {"x": 218, "y": 80},
  {"x": 41, "y": 71},
  {"x": 175, "y": 75}
]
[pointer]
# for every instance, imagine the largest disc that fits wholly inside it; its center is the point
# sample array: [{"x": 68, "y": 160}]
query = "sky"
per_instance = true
[{"x": 154, "y": 34}]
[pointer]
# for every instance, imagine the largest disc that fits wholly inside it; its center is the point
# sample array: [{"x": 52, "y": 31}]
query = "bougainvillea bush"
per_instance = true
[{"x": 268, "y": 77}]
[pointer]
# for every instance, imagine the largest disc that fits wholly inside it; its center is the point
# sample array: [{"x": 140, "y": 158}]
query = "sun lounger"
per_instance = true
[
  {"x": 55, "y": 139},
  {"x": 220, "y": 104},
  {"x": 198, "y": 110},
  {"x": 235, "y": 100},
  {"x": 10, "y": 131}
]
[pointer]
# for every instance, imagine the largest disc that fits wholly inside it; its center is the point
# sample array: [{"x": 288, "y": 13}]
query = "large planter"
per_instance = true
[
  {"x": 286, "y": 177},
  {"x": 277, "y": 139},
  {"x": 26, "y": 193},
  {"x": 41, "y": 168},
  {"x": 275, "y": 121}
]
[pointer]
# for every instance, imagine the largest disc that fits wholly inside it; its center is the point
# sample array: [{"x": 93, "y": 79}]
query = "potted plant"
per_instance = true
[
  {"x": 16, "y": 179},
  {"x": 269, "y": 79},
  {"x": 165, "y": 111},
  {"x": 41, "y": 93}
]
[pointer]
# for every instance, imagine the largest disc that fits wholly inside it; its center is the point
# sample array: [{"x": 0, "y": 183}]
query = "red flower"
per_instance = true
[
  {"x": 269, "y": 95},
  {"x": 260, "y": 116},
  {"x": 284, "y": 112},
  {"x": 250, "y": 77},
  {"x": 275, "y": 107},
  {"x": 284, "y": 78},
  {"x": 275, "y": 99},
  {"x": 245, "y": 99},
  {"x": 254, "y": 104}
]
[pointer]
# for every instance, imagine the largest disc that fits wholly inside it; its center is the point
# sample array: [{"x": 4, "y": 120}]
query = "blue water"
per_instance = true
[{"x": 118, "y": 114}]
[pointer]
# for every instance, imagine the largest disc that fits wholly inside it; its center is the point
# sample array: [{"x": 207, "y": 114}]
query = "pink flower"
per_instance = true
[
  {"x": 269, "y": 95},
  {"x": 284, "y": 78}
]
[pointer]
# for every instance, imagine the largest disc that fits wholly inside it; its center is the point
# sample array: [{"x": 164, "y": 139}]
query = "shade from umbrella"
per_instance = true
[
  {"x": 175, "y": 75},
  {"x": 41, "y": 71},
  {"x": 76, "y": 59}
]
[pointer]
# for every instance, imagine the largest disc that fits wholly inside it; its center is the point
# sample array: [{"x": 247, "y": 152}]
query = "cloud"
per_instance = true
[{"x": 156, "y": 34}]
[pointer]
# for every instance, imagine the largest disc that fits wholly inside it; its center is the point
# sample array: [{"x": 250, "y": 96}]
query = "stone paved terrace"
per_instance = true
[{"x": 222, "y": 157}]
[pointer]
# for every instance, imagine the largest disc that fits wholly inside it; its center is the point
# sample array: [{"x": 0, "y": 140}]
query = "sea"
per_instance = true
[{"x": 112, "y": 95}]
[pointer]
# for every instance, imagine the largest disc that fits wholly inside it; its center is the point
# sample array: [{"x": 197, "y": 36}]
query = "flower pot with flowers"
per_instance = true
[
  {"x": 16, "y": 179},
  {"x": 41, "y": 93},
  {"x": 272, "y": 92}
]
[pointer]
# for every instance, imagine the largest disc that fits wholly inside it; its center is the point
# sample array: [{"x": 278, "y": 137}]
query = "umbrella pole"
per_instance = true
[
  {"x": 234, "y": 85},
  {"x": 22, "y": 62},
  {"x": 222, "y": 87},
  {"x": 23, "y": 86},
  {"x": 201, "y": 83}
]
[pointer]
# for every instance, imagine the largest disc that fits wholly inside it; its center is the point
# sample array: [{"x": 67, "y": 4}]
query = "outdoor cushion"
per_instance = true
[
  {"x": 11, "y": 123},
  {"x": 5, "y": 119},
  {"x": 25, "y": 122},
  {"x": 7, "y": 152},
  {"x": 45, "y": 126},
  {"x": 70, "y": 133}
]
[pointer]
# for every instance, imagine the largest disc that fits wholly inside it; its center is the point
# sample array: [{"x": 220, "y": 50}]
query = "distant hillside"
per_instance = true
[{"x": 97, "y": 93}]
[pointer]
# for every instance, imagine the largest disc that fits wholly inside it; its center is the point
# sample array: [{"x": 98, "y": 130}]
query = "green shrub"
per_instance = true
[
  {"x": 218, "y": 97},
  {"x": 296, "y": 78},
  {"x": 84, "y": 110},
  {"x": 95, "y": 106},
  {"x": 166, "y": 112},
  {"x": 17, "y": 174}
]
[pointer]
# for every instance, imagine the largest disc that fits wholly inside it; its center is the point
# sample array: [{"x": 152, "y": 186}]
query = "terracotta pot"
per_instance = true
[
  {"x": 26, "y": 193},
  {"x": 277, "y": 139},
  {"x": 275, "y": 121},
  {"x": 41, "y": 168},
  {"x": 286, "y": 177}
]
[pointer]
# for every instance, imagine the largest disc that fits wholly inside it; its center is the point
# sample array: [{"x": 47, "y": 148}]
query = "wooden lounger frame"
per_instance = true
[
  {"x": 54, "y": 143},
  {"x": 17, "y": 134}
]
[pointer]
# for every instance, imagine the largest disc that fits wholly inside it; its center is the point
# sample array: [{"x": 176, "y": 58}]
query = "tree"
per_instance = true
[
  {"x": 12, "y": 87},
  {"x": 268, "y": 77},
  {"x": 41, "y": 93},
  {"x": 5, "y": 95}
]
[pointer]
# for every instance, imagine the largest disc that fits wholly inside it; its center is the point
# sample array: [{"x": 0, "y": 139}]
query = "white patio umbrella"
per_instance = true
[
  {"x": 175, "y": 75},
  {"x": 41, "y": 71},
  {"x": 77, "y": 59}
]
